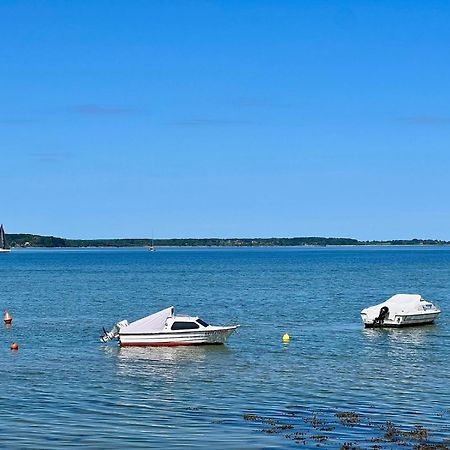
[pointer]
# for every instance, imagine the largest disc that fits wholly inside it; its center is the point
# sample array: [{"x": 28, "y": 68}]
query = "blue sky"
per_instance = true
[{"x": 225, "y": 118}]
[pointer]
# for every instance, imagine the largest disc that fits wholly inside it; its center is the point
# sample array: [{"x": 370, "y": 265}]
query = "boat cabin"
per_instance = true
[{"x": 184, "y": 323}]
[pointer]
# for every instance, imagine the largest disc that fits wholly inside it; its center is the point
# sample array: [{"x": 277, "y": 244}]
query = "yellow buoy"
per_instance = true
[{"x": 285, "y": 337}]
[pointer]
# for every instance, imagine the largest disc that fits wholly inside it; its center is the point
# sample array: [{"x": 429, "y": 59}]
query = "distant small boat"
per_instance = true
[
  {"x": 165, "y": 329},
  {"x": 400, "y": 310},
  {"x": 151, "y": 248},
  {"x": 4, "y": 247}
]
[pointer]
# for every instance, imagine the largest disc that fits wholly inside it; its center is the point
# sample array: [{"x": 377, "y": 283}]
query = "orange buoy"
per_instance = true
[
  {"x": 7, "y": 318},
  {"x": 14, "y": 346}
]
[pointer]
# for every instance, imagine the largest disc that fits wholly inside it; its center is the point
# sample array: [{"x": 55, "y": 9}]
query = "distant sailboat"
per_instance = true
[
  {"x": 4, "y": 247},
  {"x": 151, "y": 248}
]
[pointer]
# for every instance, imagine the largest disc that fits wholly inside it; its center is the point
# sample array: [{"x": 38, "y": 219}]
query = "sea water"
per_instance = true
[{"x": 64, "y": 388}]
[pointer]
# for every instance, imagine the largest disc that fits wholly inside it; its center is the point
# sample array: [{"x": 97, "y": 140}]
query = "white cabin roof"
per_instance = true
[
  {"x": 399, "y": 303},
  {"x": 153, "y": 322},
  {"x": 404, "y": 299}
]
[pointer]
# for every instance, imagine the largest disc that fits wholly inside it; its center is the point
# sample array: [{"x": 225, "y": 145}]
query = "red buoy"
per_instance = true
[
  {"x": 14, "y": 346},
  {"x": 7, "y": 318}
]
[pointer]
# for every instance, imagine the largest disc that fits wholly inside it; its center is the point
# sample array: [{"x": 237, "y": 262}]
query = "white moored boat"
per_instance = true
[
  {"x": 400, "y": 310},
  {"x": 165, "y": 329}
]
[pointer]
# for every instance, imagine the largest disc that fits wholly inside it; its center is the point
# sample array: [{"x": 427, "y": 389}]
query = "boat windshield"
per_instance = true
[
  {"x": 179, "y": 325},
  {"x": 202, "y": 322}
]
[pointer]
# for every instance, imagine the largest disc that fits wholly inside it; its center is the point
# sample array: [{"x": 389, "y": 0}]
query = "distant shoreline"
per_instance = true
[
  {"x": 37, "y": 241},
  {"x": 203, "y": 247}
]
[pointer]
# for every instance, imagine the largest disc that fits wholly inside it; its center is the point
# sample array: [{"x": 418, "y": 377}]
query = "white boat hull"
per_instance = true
[
  {"x": 5, "y": 250},
  {"x": 401, "y": 310},
  {"x": 215, "y": 335},
  {"x": 403, "y": 320}
]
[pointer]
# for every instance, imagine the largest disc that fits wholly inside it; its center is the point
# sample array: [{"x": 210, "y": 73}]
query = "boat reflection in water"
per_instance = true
[
  {"x": 405, "y": 336},
  {"x": 406, "y": 348},
  {"x": 167, "y": 363}
]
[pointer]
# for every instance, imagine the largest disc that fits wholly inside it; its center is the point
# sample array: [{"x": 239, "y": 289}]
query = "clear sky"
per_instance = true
[{"x": 225, "y": 118}]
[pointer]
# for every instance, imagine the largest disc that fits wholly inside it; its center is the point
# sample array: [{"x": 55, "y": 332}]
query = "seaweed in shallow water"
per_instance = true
[
  {"x": 298, "y": 437},
  {"x": 348, "y": 418},
  {"x": 319, "y": 437},
  {"x": 349, "y": 446},
  {"x": 431, "y": 447},
  {"x": 418, "y": 433},
  {"x": 391, "y": 433},
  {"x": 314, "y": 421},
  {"x": 261, "y": 419}
]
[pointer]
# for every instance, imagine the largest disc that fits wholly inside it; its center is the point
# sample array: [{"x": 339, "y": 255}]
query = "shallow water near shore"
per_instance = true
[{"x": 64, "y": 388}]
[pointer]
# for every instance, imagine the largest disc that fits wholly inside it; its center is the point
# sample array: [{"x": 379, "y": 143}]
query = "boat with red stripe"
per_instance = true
[{"x": 165, "y": 329}]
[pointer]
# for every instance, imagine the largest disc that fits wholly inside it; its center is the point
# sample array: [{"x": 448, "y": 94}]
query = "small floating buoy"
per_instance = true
[
  {"x": 285, "y": 338},
  {"x": 14, "y": 346},
  {"x": 7, "y": 318}
]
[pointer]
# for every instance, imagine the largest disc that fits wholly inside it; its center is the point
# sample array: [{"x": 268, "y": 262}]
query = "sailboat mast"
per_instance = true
[{"x": 152, "y": 247}]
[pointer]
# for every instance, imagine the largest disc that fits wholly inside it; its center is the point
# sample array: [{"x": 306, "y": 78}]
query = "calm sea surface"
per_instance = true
[{"x": 64, "y": 388}]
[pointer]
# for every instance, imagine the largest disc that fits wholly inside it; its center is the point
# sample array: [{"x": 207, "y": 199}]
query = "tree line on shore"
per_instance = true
[{"x": 33, "y": 240}]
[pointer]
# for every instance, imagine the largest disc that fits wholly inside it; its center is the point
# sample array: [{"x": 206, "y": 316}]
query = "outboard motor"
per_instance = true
[
  {"x": 384, "y": 313},
  {"x": 114, "y": 333}
]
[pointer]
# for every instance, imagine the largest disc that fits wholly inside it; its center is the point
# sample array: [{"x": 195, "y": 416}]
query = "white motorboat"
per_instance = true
[
  {"x": 400, "y": 310},
  {"x": 165, "y": 329}
]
